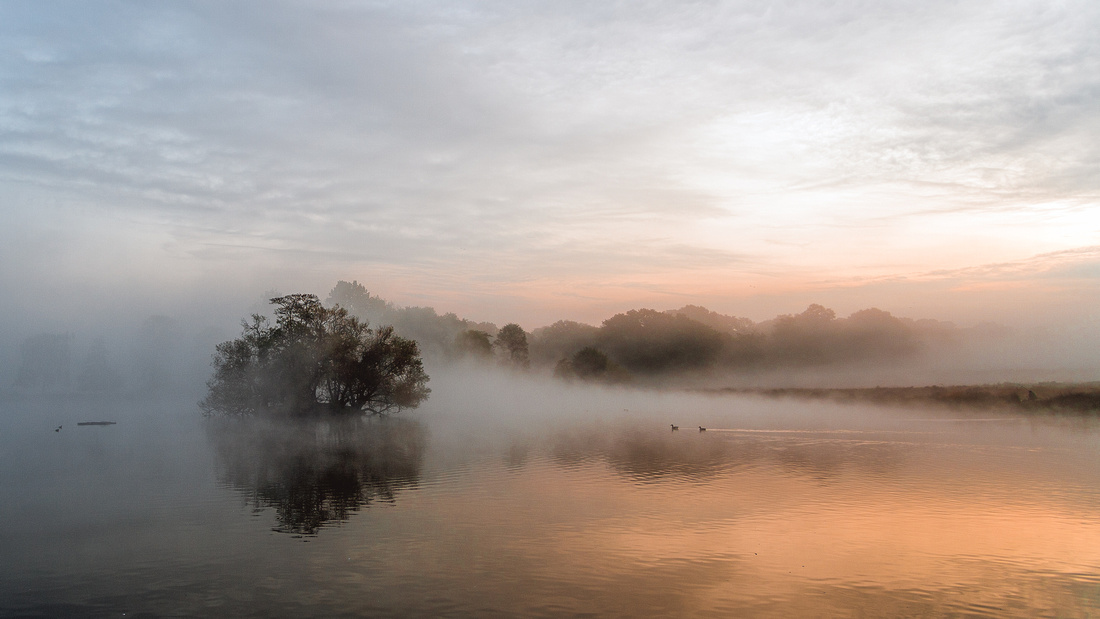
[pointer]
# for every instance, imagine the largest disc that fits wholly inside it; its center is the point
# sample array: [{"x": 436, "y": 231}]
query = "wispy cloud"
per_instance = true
[{"x": 538, "y": 142}]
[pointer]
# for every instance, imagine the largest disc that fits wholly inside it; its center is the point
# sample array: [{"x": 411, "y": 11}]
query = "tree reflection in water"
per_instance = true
[
  {"x": 653, "y": 453},
  {"x": 648, "y": 454},
  {"x": 319, "y": 471}
]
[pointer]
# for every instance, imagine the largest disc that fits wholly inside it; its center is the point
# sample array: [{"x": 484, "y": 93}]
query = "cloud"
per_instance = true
[
  {"x": 1079, "y": 262},
  {"x": 500, "y": 144}
]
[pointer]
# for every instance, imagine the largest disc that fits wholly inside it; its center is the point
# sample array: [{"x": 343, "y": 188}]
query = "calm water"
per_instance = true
[{"x": 504, "y": 507}]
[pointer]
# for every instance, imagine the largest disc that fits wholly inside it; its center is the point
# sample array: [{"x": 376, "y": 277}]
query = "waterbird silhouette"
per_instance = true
[
  {"x": 674, "y": 427},
  {"x": 58, "y": 429},
  {"x": 702, "y": 429}
]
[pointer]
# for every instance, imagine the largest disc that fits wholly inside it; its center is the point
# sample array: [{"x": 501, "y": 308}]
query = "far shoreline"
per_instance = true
[{"x": 1034, "y": 398}]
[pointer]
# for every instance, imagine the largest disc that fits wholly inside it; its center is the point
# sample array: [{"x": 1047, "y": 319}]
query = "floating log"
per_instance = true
[{"x": 96, "y": 423}]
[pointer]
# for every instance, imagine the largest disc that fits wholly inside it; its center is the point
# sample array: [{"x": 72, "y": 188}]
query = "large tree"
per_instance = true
[
  {"x": 647, "y": 341},
  {"x": 473, "y": 343},
  {"x": 314, "y": 359},
  {"x": 512, "y": 341},
  {"x": 354, "y": 297}
]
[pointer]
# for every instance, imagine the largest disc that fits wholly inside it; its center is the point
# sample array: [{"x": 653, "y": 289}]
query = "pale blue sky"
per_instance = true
[{"x": 531, "y": 161}]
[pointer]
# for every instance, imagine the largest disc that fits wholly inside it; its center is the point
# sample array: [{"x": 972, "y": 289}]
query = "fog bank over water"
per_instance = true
[
  {"x": 128, "y": 351},
  {"x": 474, "y": 410},
  {"x": 728, "y": 308}
]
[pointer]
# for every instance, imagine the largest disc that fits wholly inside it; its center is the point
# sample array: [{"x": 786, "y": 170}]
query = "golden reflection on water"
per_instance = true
[
  {"x": 629, "y": 519},
  {"x": 620, "y": 521},
  {"x": 760, "y": 516}
]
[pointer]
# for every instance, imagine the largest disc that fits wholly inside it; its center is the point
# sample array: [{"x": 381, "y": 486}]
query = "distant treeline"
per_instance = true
[
  {"x": 646, "y": 343},
  {"x": 640, "y": 345}
]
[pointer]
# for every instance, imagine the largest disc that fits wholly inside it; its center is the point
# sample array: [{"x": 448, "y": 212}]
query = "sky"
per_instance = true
[{"x": 532, "y": 161}]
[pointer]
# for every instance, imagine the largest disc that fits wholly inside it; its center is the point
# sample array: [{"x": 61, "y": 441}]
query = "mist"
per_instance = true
[
  {"x": 725, "y": 309},
  {"x": 125, "y": 351},
  {"x": 618, "y": 486}
]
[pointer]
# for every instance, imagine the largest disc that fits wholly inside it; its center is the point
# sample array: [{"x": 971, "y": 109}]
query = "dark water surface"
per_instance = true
[{"x": 778, "y": 509}]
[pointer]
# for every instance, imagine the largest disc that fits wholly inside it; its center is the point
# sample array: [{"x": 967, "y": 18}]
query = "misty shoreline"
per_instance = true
[
  {"x": 1032, "y": 398},
  {"x": 1073, "y": 398},
  {"x": 690, "y": 347}
]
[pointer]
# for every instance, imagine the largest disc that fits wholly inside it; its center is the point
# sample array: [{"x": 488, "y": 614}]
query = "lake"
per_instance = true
[{"x": 506, "y": 497}]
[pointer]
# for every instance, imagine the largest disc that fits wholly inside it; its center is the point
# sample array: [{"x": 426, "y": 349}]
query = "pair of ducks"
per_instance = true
[{"x": 676, "y": 427}]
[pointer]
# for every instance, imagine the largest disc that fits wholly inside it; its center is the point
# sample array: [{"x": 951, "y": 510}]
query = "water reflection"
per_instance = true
[
  {"x": 873, "y": 515},
  {"x": 317, "y": 472},
  {"x": 653, "y": 454},
  {"x": 894, "y": 518},
  {"x": 646, "y": 454}
]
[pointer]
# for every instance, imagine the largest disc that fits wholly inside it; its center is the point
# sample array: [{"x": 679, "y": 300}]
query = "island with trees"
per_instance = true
[{"x": 315, "y": 360}]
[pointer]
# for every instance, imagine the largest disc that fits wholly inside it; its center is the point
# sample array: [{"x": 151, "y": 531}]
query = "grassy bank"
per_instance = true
[{"x": 1063, "y": 398}]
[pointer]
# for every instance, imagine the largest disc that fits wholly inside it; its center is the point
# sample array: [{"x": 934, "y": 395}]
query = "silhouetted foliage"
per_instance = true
[
  {"x": 560, "y": 340},
  {"x": 436, "y": 335},
  {"x": 512, "y": 341},
  {"x": 358, "y": 302},
  {"x": 656, "y": 344},
  {"x": 874, "y": 333},
  {"x": 473, "y": 343},
  {"x": 1081, "y": 401},
  {"x": 649, "y": 342},
  {"x": 804, "y": 338},
  {"x": 316, "y": 472},
  {"x": 314, "y": 358},
  {"x": 714, "y": 320},
  {"x": 817, "y": 336},
  {"x": 591, "y": 364},
  {"x": 744, "y": 347}
]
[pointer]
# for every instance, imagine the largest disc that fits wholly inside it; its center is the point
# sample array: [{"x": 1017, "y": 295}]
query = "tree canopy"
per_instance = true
[
  {"x": 512, "y": 341},
  {"x": 647, "y": 344},
  {"x": 591, "y": 364},
  {"x": 314, "y": 359},
  {"x": 650, "y": 342},
  {"x": 438, "y": 336},
  {"x": 473, "y": 343}
]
